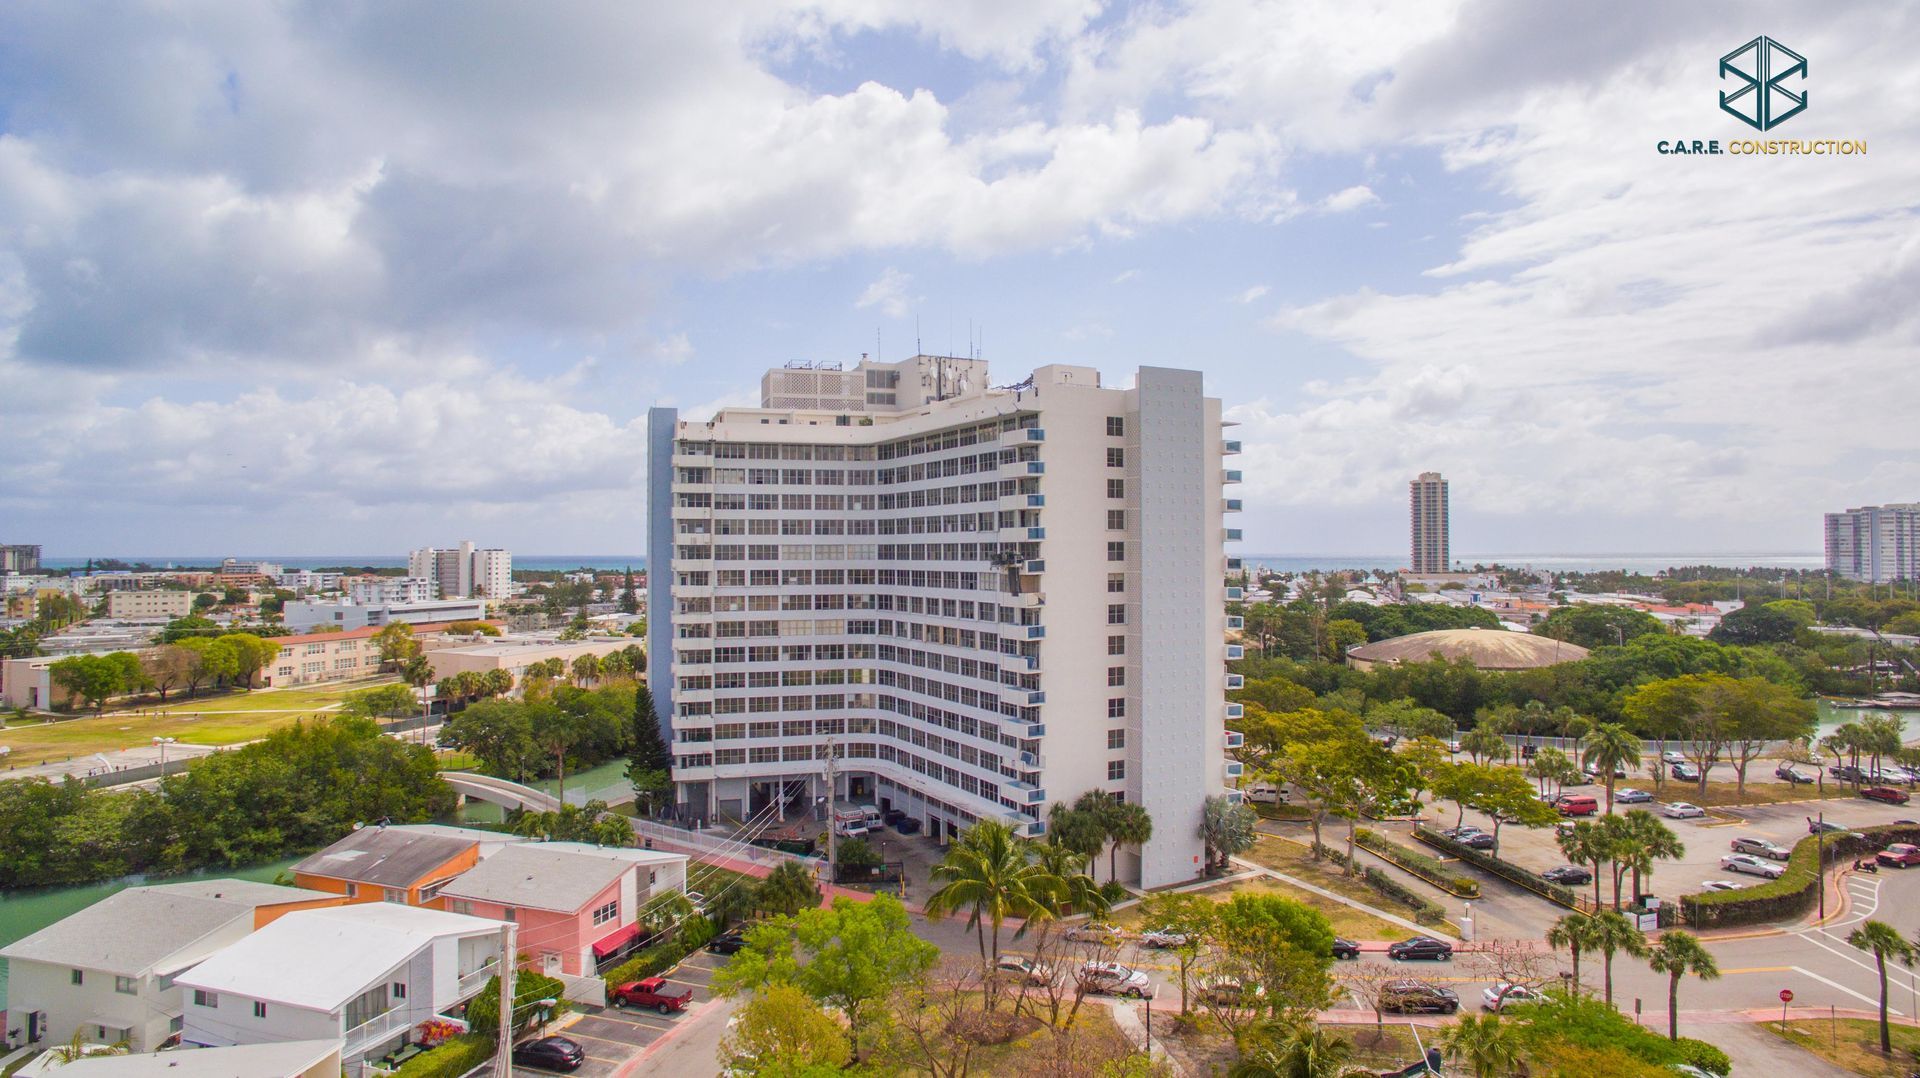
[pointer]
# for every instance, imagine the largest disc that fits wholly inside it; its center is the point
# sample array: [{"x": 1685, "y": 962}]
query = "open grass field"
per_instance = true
[
  {"x": 1853, "y": 1044},
  {"x": 1296, "y": 860},
  {"x": 226, "y": 719},
  {"x": 1347, "y": 921}
]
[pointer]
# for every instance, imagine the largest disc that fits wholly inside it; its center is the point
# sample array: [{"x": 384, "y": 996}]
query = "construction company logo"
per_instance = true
[
  {"x": 1763, "y": 101},
  {"x": 1770, "y": 89}
]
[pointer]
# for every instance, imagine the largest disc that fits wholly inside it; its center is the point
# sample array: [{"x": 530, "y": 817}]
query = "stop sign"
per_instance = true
[{"x": 1786, "y": 995}]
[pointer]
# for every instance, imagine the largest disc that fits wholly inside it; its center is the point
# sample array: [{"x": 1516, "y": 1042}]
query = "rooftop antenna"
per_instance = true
[{"x": 917, "y": 350}]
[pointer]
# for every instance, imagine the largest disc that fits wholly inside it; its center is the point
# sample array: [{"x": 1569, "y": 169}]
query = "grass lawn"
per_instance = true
[
  {"x": 212, "y": 720},
  {"x": 1296, "y": 860},
  {"x": 1347, "y": 921},
  {"x": 1726, "y": 794},
  {"x": 1853, "y": 1044}
]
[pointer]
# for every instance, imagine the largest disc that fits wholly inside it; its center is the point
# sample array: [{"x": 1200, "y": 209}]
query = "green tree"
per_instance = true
[
  {"x": 629, "y": 595},
  {"x": 1277, "y": 1049},
  {"x": 1586, "y": 843},
  {"x": 1884, "y": 942},
  {"x": 850, "y": 956},
  {"x": 988, "y": 874},
  {"x": 1677, "y": 954},
  {"x": 1283, "y": 947},
  {"x": 381, "y": 702},
  {"x": 1483, "y": 744},
  {"x": 95, "y": 679},
  {"x": 648, "y": 762},
  {"x": 1643, "y": 843},
  {"x": 1343, "y": 634},
  {"x": 585, "y": 669},
  {"x": 1610, "y": 933},
  {"x": 1757, "y": 623},
  {"x": 1227, "y": 829},
  {"x": 1506, "y": 796},
  {"x": 395, "y": 644},
  {"x": 1189, "y": 915},
  {"x": 555, "y": 730},
  {"x": 1575, "y": 932},
  {"x": 1128, "y": 824},
  {"x": 781, "y": 1033},
  {"x": 1611, "y": 747},
  {"x": 1591, "y": 625},
  {"x": 1487, "y": 1046},
  {"x": 498, "y": 732},
  {"x": 789, "y": 889},
  {"x": 251, "y": 654}
]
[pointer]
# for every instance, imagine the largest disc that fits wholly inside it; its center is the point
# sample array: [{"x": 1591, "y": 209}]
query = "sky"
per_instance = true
[{"x": 292, "y": 278}]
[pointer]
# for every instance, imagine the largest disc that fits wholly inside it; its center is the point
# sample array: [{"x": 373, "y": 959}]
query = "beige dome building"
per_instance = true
[{"x": 1488, "y": 649}]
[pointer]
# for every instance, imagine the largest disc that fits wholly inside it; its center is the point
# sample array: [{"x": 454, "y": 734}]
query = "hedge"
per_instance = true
[
  {"x": 450, "y": 1060},
  {"x": 1424, "y": 912},
  {"x": 1418, "y": 863},
  {"x": 1705, "y": 1056},
  {"x": 657, "y": 959},
  {"x": 1797, "y": 889},
  {"x": 1506, "y": 870}
]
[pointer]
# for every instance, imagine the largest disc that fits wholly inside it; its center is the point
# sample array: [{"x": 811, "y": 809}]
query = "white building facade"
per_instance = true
[
  {"x": 980, "y": 600},
  {"x": 1875, "y": 544},
  {"x": 464, "y": 571},
  {"x": 382, "y": 590}
]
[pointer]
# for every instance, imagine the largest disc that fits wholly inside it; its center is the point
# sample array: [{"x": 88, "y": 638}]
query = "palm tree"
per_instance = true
[
  {"x": 1302, "y": 1050},
  {"x": 1676, "y": 955},
  {"x": 1609, "y": 932},
  {"x": 987, "y": 873},
  {"x": 1575, "y": 933},
  {"x": 1076, "y": 890},
  {"x": 1609, "y": 747},
  {"x": 418, "y": 672},
  {"x": 80, "y": 1048},
  {"x": 586, "y": 669},
  {"x": 1586, "y": 844},
  {"x": 1487, "y": 1046},
  {"x": 1128, "y": 824},
  {"x": 1884, "y": 941},
  {"x": 1645, "y": 841}
]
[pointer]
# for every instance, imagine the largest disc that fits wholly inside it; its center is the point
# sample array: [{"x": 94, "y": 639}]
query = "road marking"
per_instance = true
[
  {"x": 1758, "y": 969},
  {"x": 1844, "y": 988},
  {"x": 1844, "y": 957}
]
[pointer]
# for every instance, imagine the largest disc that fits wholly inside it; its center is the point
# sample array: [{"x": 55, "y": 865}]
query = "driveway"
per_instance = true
[{"x": 613, "y": 1035}]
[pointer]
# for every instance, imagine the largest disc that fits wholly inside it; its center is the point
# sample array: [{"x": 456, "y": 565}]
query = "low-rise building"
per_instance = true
[
  {"x": 577, "y": 905},
  {"x": 292, "y": 1059},
  {"x": 367, "y": 974},
  {"x": 160, "y": 603},
  {"x": 108, "y": 972},
  {"x": 308, "y": 581},
  {"x": 305, "y": 615},
  {"x": 388, "y": 864},
  {"x": 338, "y": 656},
  {"x": 515, "y": 654},
  {"x": 387, "y": 590}
]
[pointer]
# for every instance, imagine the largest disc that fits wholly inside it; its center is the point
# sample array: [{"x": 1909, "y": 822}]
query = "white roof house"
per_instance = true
[
  {"x": 289, "y": 1059},
  {"x": 367, "y": 974}
]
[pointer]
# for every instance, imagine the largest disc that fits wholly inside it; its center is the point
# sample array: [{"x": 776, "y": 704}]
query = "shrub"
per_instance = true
[
  {"x": 450, "y": 1060},
  {"x": 1418, "y": 863},
  {"x": 1425, "y": 912},
  {"x": 1506, "y": 870},
  {"x": 1705, "y": 1056},
  {"x": 483, "y": 1014},
  {"x": 1797, "y": 889},
  {"x": 1114, "y": 891},
  {"x": 694, "y": 933}
]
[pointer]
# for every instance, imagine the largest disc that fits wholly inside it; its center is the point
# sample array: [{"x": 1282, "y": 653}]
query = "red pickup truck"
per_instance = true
[{"x": 652, "y": 992}]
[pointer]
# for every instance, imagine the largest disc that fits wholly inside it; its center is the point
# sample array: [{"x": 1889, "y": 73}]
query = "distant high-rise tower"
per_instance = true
[
  {"x": 1875, "y": 544},
  {"x": 1432, "y": 550}
]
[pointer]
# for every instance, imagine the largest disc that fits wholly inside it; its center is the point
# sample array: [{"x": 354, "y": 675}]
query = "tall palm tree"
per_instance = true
[
  {"x": 1609, "y": 932},
  {"x": 1488, "y": 1046},
  {"x": 1128, "y": 824},
  {"x": 1077, "y": 891},
  {"x": 418, "y": 672},
  {"x": 987, "y": 873},
  {"x": 1647, "y": 841},
  {"x": 1885, "y": 942},
  {"x": 1586, "y": 844},
  {"x": 1575, "y": 933},
  {"x": 1302, "y": 1050},
  {"x": 1676, "y": 955},
  {"x": 1610, "y": 746}
]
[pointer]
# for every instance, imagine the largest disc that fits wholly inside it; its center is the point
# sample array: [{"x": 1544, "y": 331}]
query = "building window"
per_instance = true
[
  {"x": 1116, "y": 458},
  {"x": 1116, "y": 645},
  {"x": 1116, "y": 614},
  {"x": 1116, "y": 709},
  {"x": 79, "y": 976},
  {"x": 1116, "y": 769},
  {"x": 259, "y": 1009},
  {"x": 1117, "y": 551},
  {"x": 1116, "y": 582},
  {"x": 353, "y": 890},
  {"x": 394, "y": 894},
  {"x": 1116, "y": 676},
  {"x": 204, "y": 998},
  {"x": 1116, "y": 520},
  {"x": 1116, "y": 739},
  {"x": 176, "y": 1024},
  {"x": 607, "y": 912},
  {"x": 507, "y": 914},
  {"x": 126, "y": 986},
  {"x": 1116, "y": 488},
  {"x": 459, "y": 905},
  {"x": 398, "y": 989},
  {"x": 1116, "y": 426}
]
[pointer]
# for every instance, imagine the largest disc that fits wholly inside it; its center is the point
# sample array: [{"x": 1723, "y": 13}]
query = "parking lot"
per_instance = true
[{"x": 612, "y": 1035}]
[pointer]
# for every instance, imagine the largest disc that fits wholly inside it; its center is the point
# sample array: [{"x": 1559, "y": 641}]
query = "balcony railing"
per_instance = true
[
  {"x": 1235, "y": 621},
  {"x": 1236, "y": 593},
  {"x": 1233, "y": 505},
  {"x": 1233, "y": 535},
  {"x": 1235, "y": 651},
  {"x": 1236, "y": 739},
  {"x": 1236, "y": 681},
  {"x": 376, "y": 1031},
  {"x": 1231, "y": 475},
  {"x": 1233, "y": 769},
  {"x": 1230, "y": 445},
  {"x": 475, "y": 981},
  {"x": 1236, "y": 711}
]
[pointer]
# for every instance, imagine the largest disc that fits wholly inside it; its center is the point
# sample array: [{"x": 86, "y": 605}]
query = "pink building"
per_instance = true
[{"x": 576, "y": 905}]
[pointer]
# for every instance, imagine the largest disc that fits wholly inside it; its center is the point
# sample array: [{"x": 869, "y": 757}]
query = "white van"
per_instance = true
[{"x": 1265, "y": 793}]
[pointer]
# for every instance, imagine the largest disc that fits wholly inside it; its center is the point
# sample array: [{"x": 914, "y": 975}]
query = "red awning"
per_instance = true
[{"x": 616, "y": 940}]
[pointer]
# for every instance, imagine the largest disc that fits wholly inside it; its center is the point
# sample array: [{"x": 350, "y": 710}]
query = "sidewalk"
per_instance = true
[{"x": 1291, "y": 881}]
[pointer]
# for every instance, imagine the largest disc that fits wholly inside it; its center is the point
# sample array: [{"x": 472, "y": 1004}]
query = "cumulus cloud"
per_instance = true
[
  {"x": 1350, "y": 198},
  {"x": 889, "y": 293}
]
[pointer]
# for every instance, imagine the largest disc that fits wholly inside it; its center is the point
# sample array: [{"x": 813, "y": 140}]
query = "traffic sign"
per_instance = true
[{"x": 1786, "y": 995}]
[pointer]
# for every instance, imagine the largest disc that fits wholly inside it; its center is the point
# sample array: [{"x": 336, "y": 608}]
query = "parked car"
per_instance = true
[
  {"x": 1673, "y": 756},
  {"x": 1577, "y": 805},
  {"x": 1417, "y": 997},
  {"x": 1418, "y": 948},
  {"x": 728, "y": 942},
  {"x": 1471, "y": 837},
  {"x": 1265, "y": 793},
  {"x": 1095, "y": 932},
  {"x": 1567, "y": 875},
  {"x": 1630, "y": 796},
  {"x": 1680, "y": 810},
  {"x": 1593, "y": 771},
  {"x": 550, "y": 1053},
  {"x": 1751, "y": 865},
  {"x": 1817, "y": 827},
  {"x": 652, "y": 992},
  {"x": 1345, "y": 948},
  {"x": 1025, "y": 969},
  {"x": 1760, "y": 847},
  {"x": 1789, "y": 773},
  {"x": 1454, "y": 747},
  {"x": 1685, "y": 772},
  {"x": 1724, "y": 885},
  {"x": 1229, "y": 991},
  {"x": 1846, "y": 772},
  {"x": 1899, "y": 855},
  {"x": 1114, "y": 979},
  {"x": 1897, "y": 773},
  {"x": 1163, "y": 937},
  {"x": 1502, "y": 993},
  {"x": 1886, "y": 794}
]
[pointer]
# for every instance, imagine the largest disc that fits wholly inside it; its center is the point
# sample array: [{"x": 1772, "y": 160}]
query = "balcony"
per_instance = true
[
  {"x": 475, "y": 981},
  {"x": 378, "y": 1031},
  {"x": 1036, "y": 467},
  {"x": 1035, "y": 566},
  {"x": 1235, "y": 651},
  {"x": 1028, "y": 730},
  {"x": 1023, "y": 436},
  {"x": 1235, "y": 621},
  {"x": 1233, "y": 769},
  {"x": 1232, "y": 505},
  {"x": 1022, "y": 501},
  {"x": 1033, "y": 760},
  {"x": 1034, "y": 697},
  {"x": 1230, "y": 445},
  {"x": 1031, "y": 828},
  {"x": 1233, "y": 535},
  {"x": 1236, "y": 711},
  {"x": 1233, "y": 565},
  {"x": 1236, "y": 594},
  {"x": 1028, "y": 600},
  {"x": 1032, "y": 632},
  {"x": 1234, "y": 798},
  {"x": 1236, "y": 681},
  {"x": 1231, "y": 475},
  {"x": 1236, "y": 739},
  {"x": 1027, "y": 792}
]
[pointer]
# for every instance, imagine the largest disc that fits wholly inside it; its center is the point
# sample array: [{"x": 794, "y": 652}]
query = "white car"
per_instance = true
[
  {"x": 1680, "y": 810},
  {"x": 1114, "y": 979},
  {"x": 1163, "y": 937},
  {"x": 1751, "y": 865},
  {"x": 1026, "y": 969},
  {"x": 1502, "y": 993},
  {"x": 1724, "y": 885},
  {"x": 1094, "y": 932},
  {"x": 1672, "y": 756}
]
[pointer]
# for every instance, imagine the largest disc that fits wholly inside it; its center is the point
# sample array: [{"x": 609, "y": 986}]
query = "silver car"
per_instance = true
[
  {"x": 1751, "y": 865},
  {"x": 1114, "y": 979},
  {"x": 1760, "y": 847}
]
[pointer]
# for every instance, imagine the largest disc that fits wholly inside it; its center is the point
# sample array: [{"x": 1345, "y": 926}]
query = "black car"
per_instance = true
[
  {"x": 1345, "y": 948},
  {"x": 1569, "y": 875},
  {"x": 1847, "y": 773},
  {"x": 1417, "y": 997},
  {"x": 1684, "y": 772},
  {"x": 1471, "y": 837},
  {"x": 1421, "y": 948},
  {"x": 550, "y": 1053},
  {"x": 1791, "y": 775},
  {"x": 728, "y": 942}
]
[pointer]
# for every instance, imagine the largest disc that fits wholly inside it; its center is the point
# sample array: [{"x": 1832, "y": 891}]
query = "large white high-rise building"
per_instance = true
[
  {"x": 464, "y": 571},
  {"x": 1431, "y": 530},
  {"x": 980, "y": 601},
  {"x": 1875, "y": 544}
]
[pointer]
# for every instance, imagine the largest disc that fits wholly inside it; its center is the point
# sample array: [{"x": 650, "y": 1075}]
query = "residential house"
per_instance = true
[
  {"x": 402, "y": 865},
  {"x": 366, "y": 974},
  {"x": 291, "y": 1059},
  {"x": 108, "y": 971},
  {"x": 577, "y": 905}
]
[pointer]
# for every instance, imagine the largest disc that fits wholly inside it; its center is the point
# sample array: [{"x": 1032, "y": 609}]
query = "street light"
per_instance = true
[{"x": 163, "y": 742}]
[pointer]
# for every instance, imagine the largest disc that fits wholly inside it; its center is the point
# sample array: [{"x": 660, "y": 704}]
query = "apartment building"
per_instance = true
[
  {"x": 1875, "y": 544},
  {"x": 306, "y": 615},
  {"x": 978, "y": 600},
  {"x": 465, "y": 571},
  {"x": 19, "y": 557},
  {"x": 1431, "y": 528},
  {"x": 164, "y": 603},
  {"x": 382, "y": 590}
]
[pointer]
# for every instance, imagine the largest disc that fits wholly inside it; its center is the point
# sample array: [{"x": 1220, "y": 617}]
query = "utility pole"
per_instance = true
[
  {"x": 832, "y": 822},
  {"x": 503, "y": 1051}
]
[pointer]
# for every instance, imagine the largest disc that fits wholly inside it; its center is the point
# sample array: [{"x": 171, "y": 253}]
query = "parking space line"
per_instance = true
[{"x": 1844, "y": 988}]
